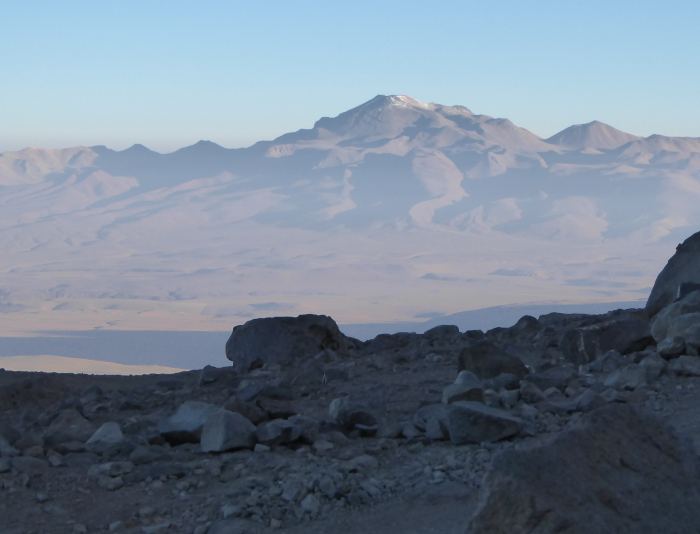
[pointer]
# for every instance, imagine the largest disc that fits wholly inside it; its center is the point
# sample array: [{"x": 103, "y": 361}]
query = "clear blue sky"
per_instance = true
[{"x": 168, "y": 73}]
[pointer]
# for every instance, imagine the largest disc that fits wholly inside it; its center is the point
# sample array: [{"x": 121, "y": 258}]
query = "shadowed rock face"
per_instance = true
[
  {"x": 682, "y": 268},
  {"x": 623, "y": 471},
  {"x": 282, "y": 340}
]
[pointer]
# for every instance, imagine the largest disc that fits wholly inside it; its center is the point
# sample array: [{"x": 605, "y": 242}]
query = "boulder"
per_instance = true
[
  {"x": 432, "y": 416},
  {"x": 687, "y": 327},
  {"x": 661, "y": 322},
  {"x": 227, "y": 431},
  {"x": 685, "y": 366},
  {"x": 671, "y": 347},
  {"x": 607, "y": 363},
  {"x": 530, "y": 393},
  {"x": 68, "y": 426},
  {"x": 472, "y": 422},
  {"x": 625, "y": 331},
  {"x": 623, "y": 471},
  {"x": 249, "y": 410},
  {"x": 629, "y": 377},
  {"x": 348, "y": 412},
  {"x": 486, "y": 360},
  {"x": 282, "y": 340},
  {"x": 556, "y": 377},
  {"x": 466, "y": 387},
  {"x": 277, "y": 432},
  {"x": 683, "y": 267},
  {"x": 108, "y": 437},
  {"x": 185, "y": 425}
]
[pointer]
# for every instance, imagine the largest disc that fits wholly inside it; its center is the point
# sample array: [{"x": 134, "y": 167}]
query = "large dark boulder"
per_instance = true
[
  {"x": 625, "y": 331},
  {"x": 680, "y": 276},
  {"x": 623, "y": 471},
  {"x": 283, "y": 340},
  {"x": 487, "y": 360}
]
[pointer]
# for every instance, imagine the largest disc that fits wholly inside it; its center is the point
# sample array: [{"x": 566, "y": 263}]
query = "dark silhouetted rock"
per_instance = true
[
  {"x": 623, "y": 472},
  {"x": 683, "y": 267},
  {"x": 625, "y": 331},
  {"x": 282, "y": 340},
  {"x": 486, "y": 360}
]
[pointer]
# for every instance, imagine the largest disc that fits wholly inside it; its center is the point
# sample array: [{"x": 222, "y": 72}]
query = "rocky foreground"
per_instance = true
[{"x": 564, "y": 423}]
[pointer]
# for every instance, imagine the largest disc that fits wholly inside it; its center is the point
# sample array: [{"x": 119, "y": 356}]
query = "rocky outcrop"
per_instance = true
[
  {"x": 682, "y": 273},
  {"x": 624, "y": 471},
  {"x": 283, "y": 340}
]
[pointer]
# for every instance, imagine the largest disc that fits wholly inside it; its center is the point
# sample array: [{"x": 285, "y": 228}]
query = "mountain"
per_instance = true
[
  {"x": 596, "y": 135},
  {"x": 391, "y": 210}
]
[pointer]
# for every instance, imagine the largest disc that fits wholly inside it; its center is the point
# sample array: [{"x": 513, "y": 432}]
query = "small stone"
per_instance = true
[
  {"x": 231, "y": 510},
  {"x": 275, "y": 524},
  {"x": 156, "y": 529},
  {"x": 311, "y": 505},
  {"x": 472, "y": 422},
  {"x": 110, "y": 483},
  {"x": 629, "y": 377},
  {"x": 79, "y": 528},
  {"x": 41, "y": 497},
  {"x": 259, "y": 447},
  {"x": 146, "y": 511},
  {"x": 322, "y": 445},
  {"x": 117, "y": 526},
  {"x": 5, "y": 465}
]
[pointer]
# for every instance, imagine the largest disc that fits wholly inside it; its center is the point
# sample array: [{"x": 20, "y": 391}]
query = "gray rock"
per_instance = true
[
  {"x": 423, "y": 416},
  {"x": 503, "y": 381},
  {"x": 277, "y": 432},
  {"x": 467, "y": 386},
  {"x": 472, "y": 422},
  {"x": 348, "y": 412},
  {"x": 210, "y": 374},
  {"x": 684, "y": 266},
  {"x": 29, "y": 465},
  {"x": 108, "y": 437},
  {"x": 309, "y": 427},
  {"x": 629, "y": 377},
  {"x": 685, "y": 366},
  {"x": 250, "y": 411},
  {"x": 226, "y": 431},
  {"x": 185, "y": 425},
  {"x": 530, "y": 393},
  {"x": 4, "y": 465},
  {"x": 654, "y": 365},
  {"x": 624, "y": 331},
  {"x": 618, "y": 473},
  {"x": 556, "y": 377},
  {"x": 662, "y": 321},
  {"x": 311, "y": 505},
  {"x": 283, "y": 340},
  {"x": 588, "y": 401},
  {"x": 6, "y": 449},
  {"x": 486, "y": 360},
  {"x": 687, "y": 327},
  {"x": 671, "y": 347},
  {"x": 608, "y": 362},
  {"x": 68, "y": 426}
]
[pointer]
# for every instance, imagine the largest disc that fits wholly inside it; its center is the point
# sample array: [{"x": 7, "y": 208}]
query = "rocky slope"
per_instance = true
[{"x": 312, "y": 431}]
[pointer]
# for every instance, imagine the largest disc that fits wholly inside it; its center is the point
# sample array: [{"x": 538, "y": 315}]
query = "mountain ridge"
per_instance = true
[{"x": 430, "y": 206}]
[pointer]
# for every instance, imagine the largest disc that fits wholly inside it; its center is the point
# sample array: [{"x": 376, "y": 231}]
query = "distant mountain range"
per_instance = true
[{"x": 390, "y": 211}]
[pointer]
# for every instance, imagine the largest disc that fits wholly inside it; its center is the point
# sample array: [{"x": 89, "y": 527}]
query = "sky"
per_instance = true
[{"x": 169, "y": 73}]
